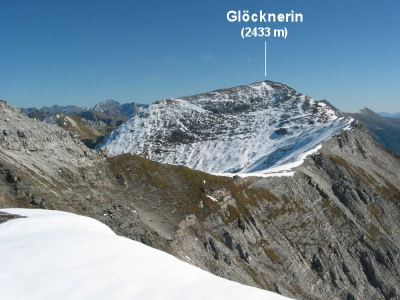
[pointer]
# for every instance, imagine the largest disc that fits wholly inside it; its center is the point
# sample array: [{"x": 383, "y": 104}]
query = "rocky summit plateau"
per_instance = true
[{"x": 329, "y": 229}]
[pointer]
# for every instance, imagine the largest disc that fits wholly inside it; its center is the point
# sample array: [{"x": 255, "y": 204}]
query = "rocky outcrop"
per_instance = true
[
  {"x": 4, "y": 217},
  {"x": 329, "y": 232}
]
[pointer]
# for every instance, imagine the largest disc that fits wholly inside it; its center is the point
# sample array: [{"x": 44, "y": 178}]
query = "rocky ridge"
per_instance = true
[
  {"x": 87, "y": 131},
  {"x": 384, "y": 130}
]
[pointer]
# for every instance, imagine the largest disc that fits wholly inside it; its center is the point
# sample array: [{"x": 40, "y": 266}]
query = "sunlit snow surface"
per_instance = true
[
  {"x": 59, "y": 255},
  {"x": 262, "y": 129}
]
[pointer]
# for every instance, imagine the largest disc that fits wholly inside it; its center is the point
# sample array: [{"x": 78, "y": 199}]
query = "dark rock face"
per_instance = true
[
  {"x": 329, "y": 232},
  {"x": 281, "y": 131},
  {"x": 4, "y": 217}
]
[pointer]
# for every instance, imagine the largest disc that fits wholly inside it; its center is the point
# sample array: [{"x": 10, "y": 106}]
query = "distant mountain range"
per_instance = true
[
  {"x": 89, "y": 124},
  {"x": 109, "y": 111},
  {"x": 388, "y": 115}
]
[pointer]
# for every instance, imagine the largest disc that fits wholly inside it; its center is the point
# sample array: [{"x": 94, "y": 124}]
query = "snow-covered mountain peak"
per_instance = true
[{"x": 259, "y": 128}]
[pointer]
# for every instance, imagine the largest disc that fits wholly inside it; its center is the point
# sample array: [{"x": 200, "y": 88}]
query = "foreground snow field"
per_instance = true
[{"x": 59, "y": 255}]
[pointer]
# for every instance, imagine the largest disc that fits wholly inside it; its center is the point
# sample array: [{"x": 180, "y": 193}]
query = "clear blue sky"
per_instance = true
[{"x": 83, "y": 52}]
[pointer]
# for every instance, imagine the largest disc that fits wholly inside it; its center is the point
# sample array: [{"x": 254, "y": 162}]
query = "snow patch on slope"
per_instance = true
[{"x": 59, "y": 255}]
